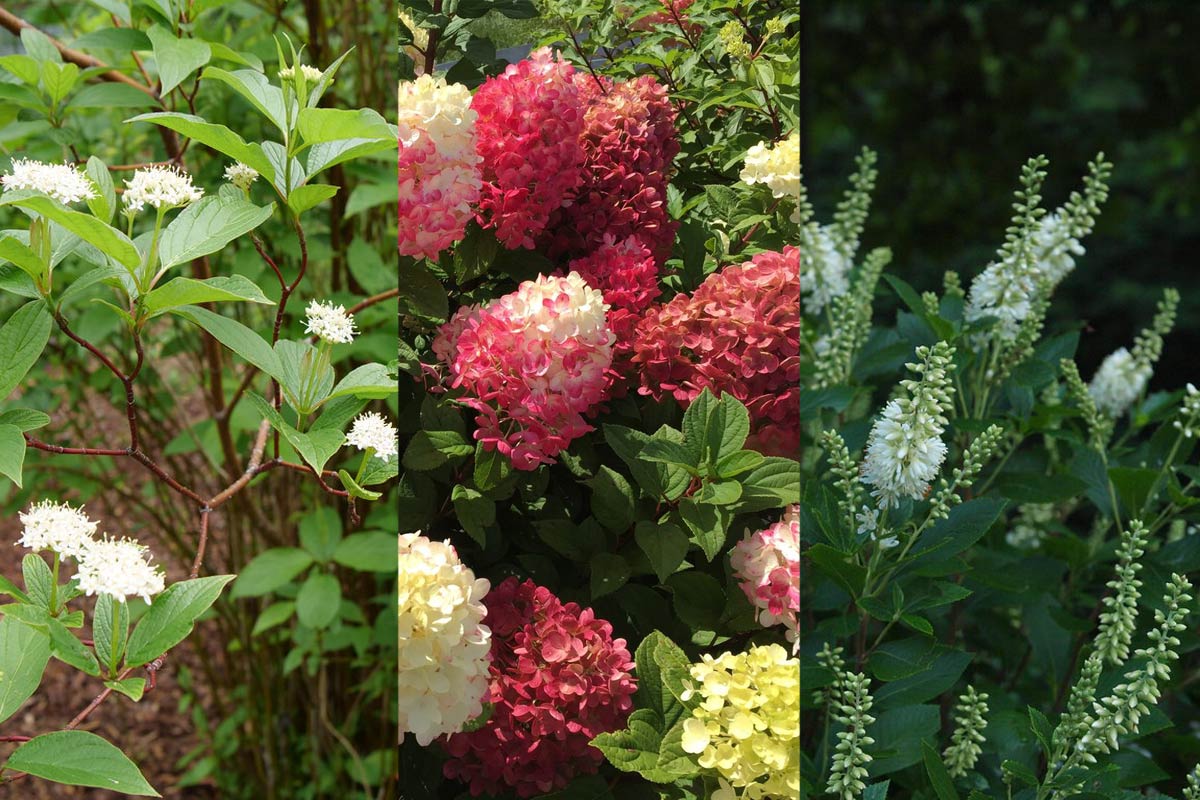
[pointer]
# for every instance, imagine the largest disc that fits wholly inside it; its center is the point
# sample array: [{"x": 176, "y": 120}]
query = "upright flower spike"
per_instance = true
[
  {"x": 120, "y": 568},
  {"x": 905, "y": 449},
  {"x": 444, "y": 645},
  {"x": 850, "y": 756},
  {"x": 527, "y": 135},
  {"x": 558, "y": 679},
  {"x": 63, "y": 182},
  {"x": 1189, "y": 413},
  {"x": 1123, "y": 376},
  {"x": 1119, "y": 620},
  {"x": 57, "y": 527},
  {"x": 372, "y": 432},
  {"x": 1192, "y": 792},
  {"x": 746, "y": 726},
  {"x": 329, "y": 323},
  {"x": 829, "y": 250},
  {"x": 776, "y": 166},
  {"x": 768, "y": 565},
  {"x": 964, "y": 749},
  {"x": 531, "y": 364},
  {"x": 440, "y": 178},
  {"x": 161, "y": 188}
]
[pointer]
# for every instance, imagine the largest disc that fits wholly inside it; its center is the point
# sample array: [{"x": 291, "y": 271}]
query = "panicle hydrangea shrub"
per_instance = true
[
  {"x": 739, "y": 332},
  {"x": 530, "y": 363},
  {"x": 527, "y": 135},
  {"x": 629, "y": 142},
  {"x": 445, "y": 652},
  {"x": 747, "y": 723},
  {"x": 767, "y": 563},
  {"x": 439, "y": 168},
  {"x": 557, "y": 679}
]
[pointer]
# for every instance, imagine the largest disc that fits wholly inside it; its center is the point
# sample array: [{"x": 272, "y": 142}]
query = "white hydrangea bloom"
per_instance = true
[
  {"x": 372, "y": 431},
  {"x": 58, "y": 527},
  {"x": 120, "y": 568},
  {"x": 63, "y": 182},
  {"x": 444, "y": 647},
  {"x": 904, "y": 453},
  {"x": 824, "y": 269},
  {"x": 329, "y": 322},
  {"x": 1118, "y": 382},
  {"x": 160, "y": 187},
  {"x": 241, "y": 175},
  {"x": 778, "y": 167}
]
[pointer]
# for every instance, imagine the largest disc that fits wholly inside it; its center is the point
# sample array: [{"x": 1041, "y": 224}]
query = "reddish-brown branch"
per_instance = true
[{"x": 37, "y": 444}]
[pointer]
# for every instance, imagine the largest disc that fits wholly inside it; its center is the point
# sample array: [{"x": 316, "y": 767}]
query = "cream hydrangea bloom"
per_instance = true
[
  {"x": 444, "y": 647},
  {"x": 442, "y": 111},
  {"x": 63, "y": 182},
  {"x": 160, "y": 187},
  {"x": 747, "y": 724},
  {"x": 120, "y": 568},
  {"x": 58, "y": 527},
  {"x": 778, "y": 167}
]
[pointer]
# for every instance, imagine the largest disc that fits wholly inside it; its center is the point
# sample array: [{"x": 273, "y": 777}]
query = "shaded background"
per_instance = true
[{"x": 955, "y": 95}]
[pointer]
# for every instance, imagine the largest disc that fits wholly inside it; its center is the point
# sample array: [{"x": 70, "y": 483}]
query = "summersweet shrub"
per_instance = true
[
  {"x": 117, "y": 275},
  {"x": 601, "y": 357},
  {"x": 965, "y": 631}
]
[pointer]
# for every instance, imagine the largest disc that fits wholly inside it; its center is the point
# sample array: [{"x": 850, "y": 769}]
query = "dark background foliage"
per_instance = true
[{"x": 955, "y": 95}]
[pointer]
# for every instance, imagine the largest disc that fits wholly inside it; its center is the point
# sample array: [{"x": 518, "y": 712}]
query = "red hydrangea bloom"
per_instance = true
[
  {"x": 527, "y": 133},
  {"x": 739, "y": 332},
  {"x": 626, "y": 274},
  {"x": 629, "y": 143},
  {"x": 557, "y": 679},
  {"x": 531, "y": 363}
]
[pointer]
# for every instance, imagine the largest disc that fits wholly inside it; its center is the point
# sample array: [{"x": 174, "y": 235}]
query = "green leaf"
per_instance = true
[
  {"x": 708, "y": 523},
  {"x": 176, "y": 58},
  {"x": 79, "y": 758},
  {"x": 270, "y": 570},
  {"x": 104, "y": 204},
  {"x": 490, "y": 468},
  {"x": 1042, "y": 729},
  {"x": 24, "y": 653},
  {"x": 1133, "y": 486},
  {"x": 475, "y": 512},
  {"x": 612, "y": 499},
  {"x": 318, "y": 601},
  {"x": 218, "y": 137},
  {"x": 22, "y": 340},
  {"x": 110, "y": 644},
  {"x": 17, "y": 252},
  {"x": 737, "y": 462},
  {"x": 368, "y": 551},
  {"x": 354, "y": 489},
  {"x": 431, "y": 449},
  {"x": 656, "y": 480},
  {"x": 110, "y": 95},
  {"x": 966, "y": 524},
  {"x": 172, "y": 616},
  {"x": 421, "y": 293},
  {"x": 836, "y": 565},
  {"x": 665, "y": 545},
  {"x": 12, "y": 453},
  {"x": 943, "y": 786},
  {"x": 609, "y": 572},
  {"x": 775, "y": 482},
  {"x": 635, "y": 749},
  {"x": 320, "y": 532},
  {"x": 728, "y": 427},
  {"x": 38, "y": 580},
  {"x": 699, "y": 599},
  {"x": 207, "y": 226},
  {"x": 273, "y": 615},
  {"x": 236, "y": 336},
  {"x": 67, "y": 648},
  {"x": 330, "y": 124},
  {"x": 103, "y": 236},
  {"x": 254, "y": 87},
  {"x": 368, "y": 382},
  {"x": 189, "y": 291},
  {"x": 58, "y": 80},
  {"x": 24, "y": 419},
  {"x": 133, "y": 688},
  {"x": 328, "y": 154},
  {"x": 310, "y": 195}
]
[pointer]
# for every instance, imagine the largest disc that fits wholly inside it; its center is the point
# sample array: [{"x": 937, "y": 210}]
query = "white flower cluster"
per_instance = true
[
  {"x": 120, "y": 568},
  {"x": 905, "y": 449},
  {"x": 311, "y": 74},
  {"x": 778, "y": 167},
  {"x": 63, "y": 182},
  {"x": 561, "y": 309},
  {"x": 1119, "y": 620},
  {"x": 1006, "y": 289},
  {"x": 372, "y": 432},
  {"x": 160, "y": 187},
  {"x": 241, "y": 175},
  {"x": 1118, "y": 382},
  {"x": 442, "y": 111},
  {"x": 330, "y": 323},
  {"x": 444, "y": 647},
  {"x": 116, "y": 567},
  {"x": 58, "y": 527},
  {"x": 824, "y": 268},
  {"x": 1191, "y": 413}
]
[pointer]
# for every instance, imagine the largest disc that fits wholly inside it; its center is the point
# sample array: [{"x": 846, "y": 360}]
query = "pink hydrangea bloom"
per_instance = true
[
  {"x": 739, "y": 332},
  {"x": 557, "y": 679},
  {"x": 768, "y": 565},
  {"x": 439, "y": 168},
  {"x": 527, "y": 134},
  {"x": 626, "y": 273},
  {"x": 530, "y": 363},
  {"x": 629, "y": 143}
]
